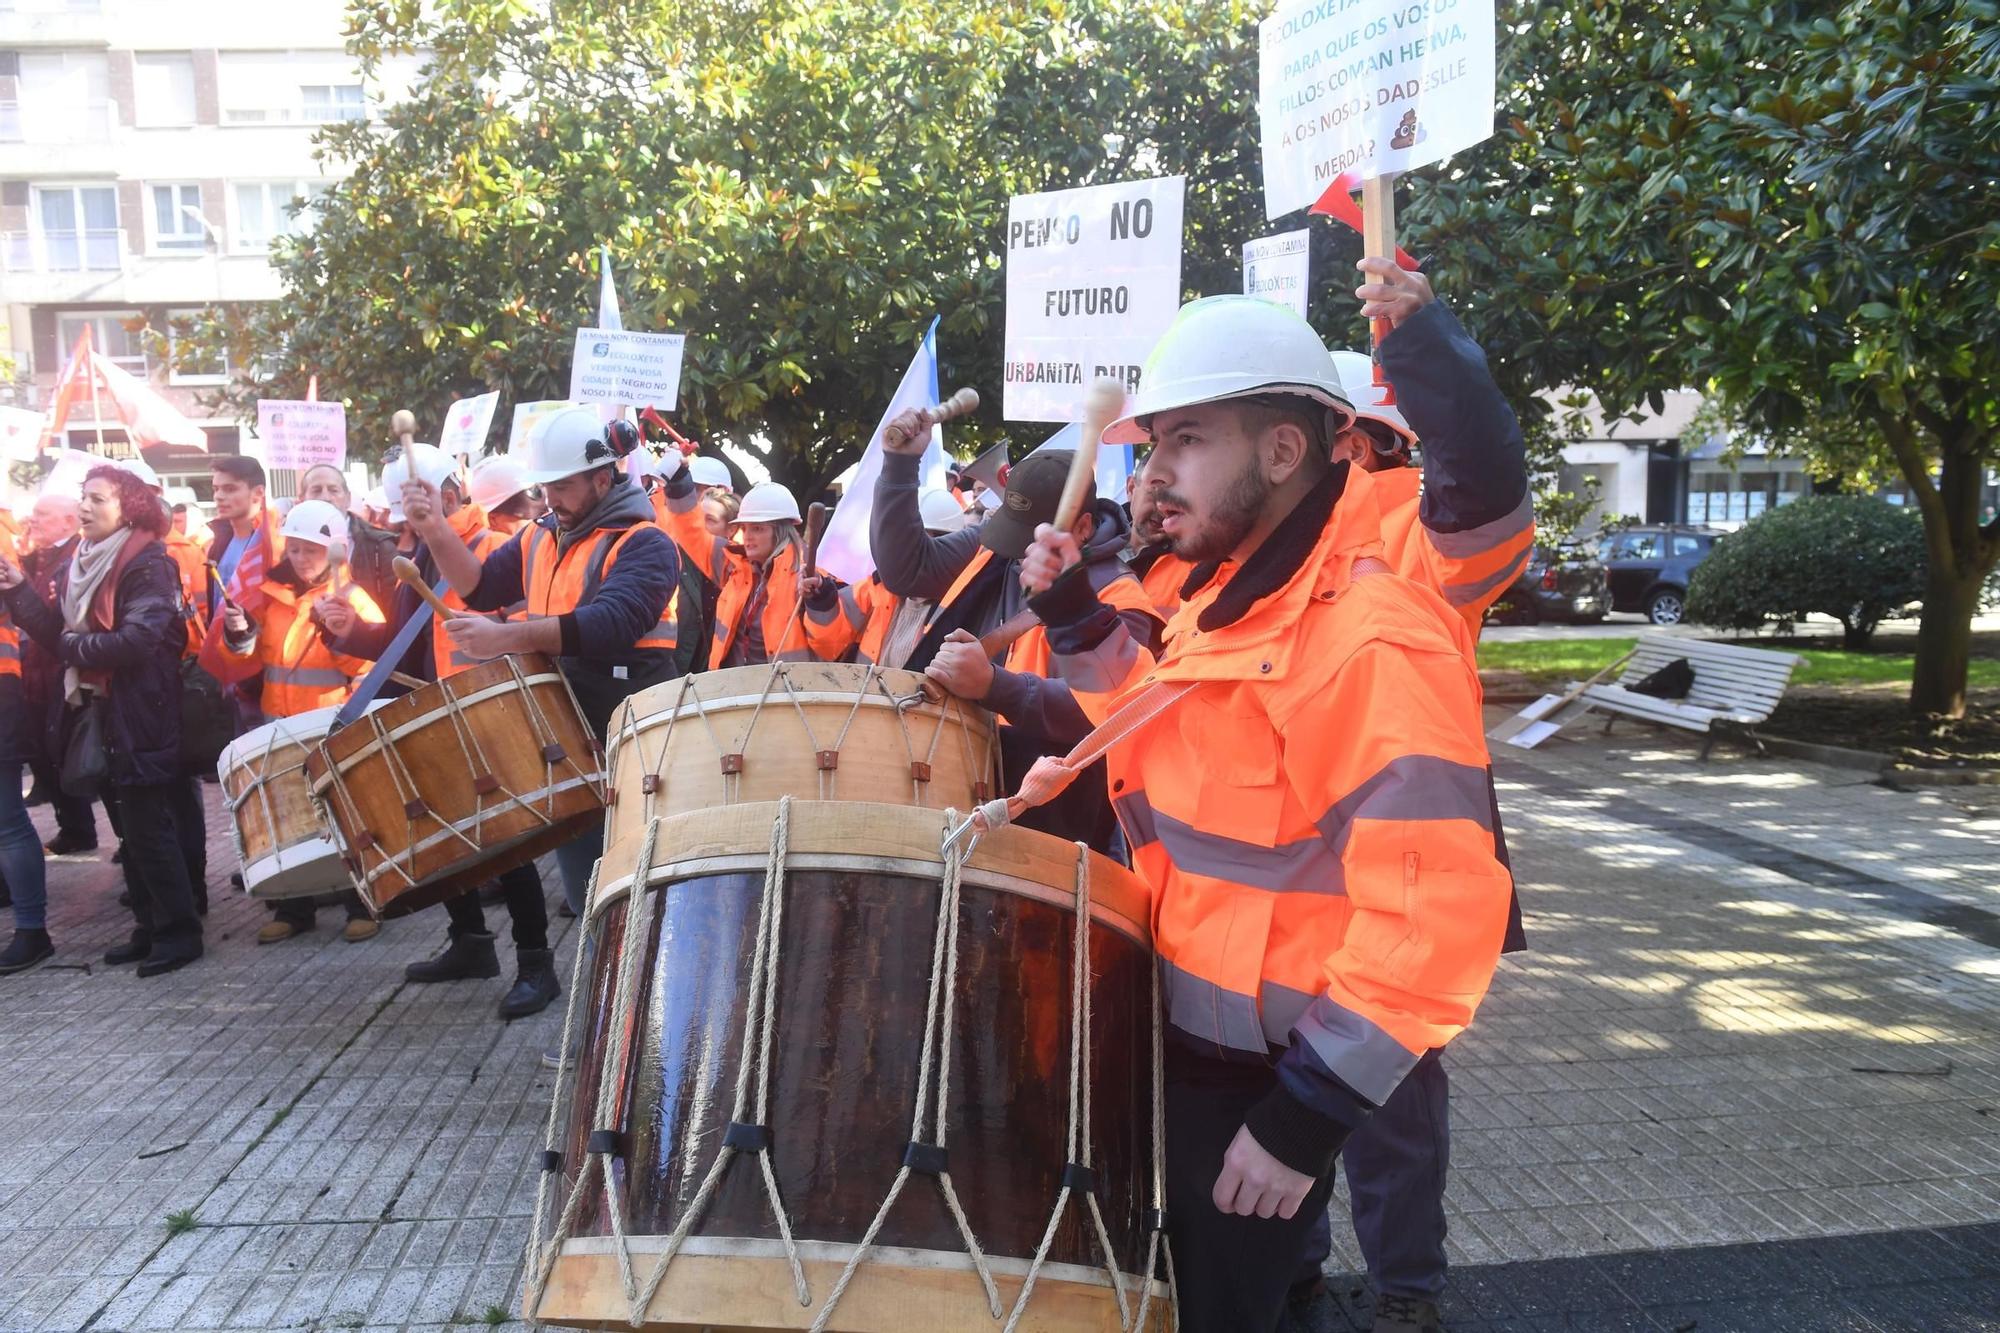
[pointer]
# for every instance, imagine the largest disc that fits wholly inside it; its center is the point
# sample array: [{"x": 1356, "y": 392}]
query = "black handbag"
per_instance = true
[
  {"x": 1672, "y": 681},
  {"x": 86, "y": 762},
  {"x": 207, "y": 720}
]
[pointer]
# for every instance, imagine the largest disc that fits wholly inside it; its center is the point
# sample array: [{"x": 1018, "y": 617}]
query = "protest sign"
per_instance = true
[
  {"x": 1277, "y": 267},
  {"x": 633, "y": 369},
  {"x": 20, "y": 432},
  {"x": 1366, "y": 87},
  {"x": 466, "y": 424},
  {"x": 300, "y": 434},
  {"x": 1093, "y": 279},
  {"x": 526, "y": 415}
]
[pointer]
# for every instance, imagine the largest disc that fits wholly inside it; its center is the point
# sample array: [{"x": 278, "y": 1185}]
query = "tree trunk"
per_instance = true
[{"x": 1944, "y": 643}]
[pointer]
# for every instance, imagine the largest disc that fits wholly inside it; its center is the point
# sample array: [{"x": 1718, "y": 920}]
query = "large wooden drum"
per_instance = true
[
  {"x": 282, "y": 845},
  {"x": 817, "y": 731},
  {"x": 807, "y": 1043},
  {"x": 454, "y": 783}
]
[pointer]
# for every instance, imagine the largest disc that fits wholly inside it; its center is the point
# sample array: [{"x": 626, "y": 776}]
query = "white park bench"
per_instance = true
[{"x": 1734, "y": 688}]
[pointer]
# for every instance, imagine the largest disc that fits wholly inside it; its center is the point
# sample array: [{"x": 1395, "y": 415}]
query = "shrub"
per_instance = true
[{"x": 1851, "y": 557}]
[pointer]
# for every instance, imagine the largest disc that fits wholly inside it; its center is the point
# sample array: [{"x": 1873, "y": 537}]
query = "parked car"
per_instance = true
[
  {"x": 1563, "y": 583},
  {"x": 1649, "y": 568}
]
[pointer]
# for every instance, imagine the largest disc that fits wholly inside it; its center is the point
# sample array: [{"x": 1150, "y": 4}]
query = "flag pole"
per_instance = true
[{"x": 90, "y": 369}]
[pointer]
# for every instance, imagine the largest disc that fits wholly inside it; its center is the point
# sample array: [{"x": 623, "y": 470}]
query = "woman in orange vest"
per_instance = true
[
  {"x": 1307, "y": 793},
  {"x": 302, "y": 670},
  {"x": 765, "y": 610}
]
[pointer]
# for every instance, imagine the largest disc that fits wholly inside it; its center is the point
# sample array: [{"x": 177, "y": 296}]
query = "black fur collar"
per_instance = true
[{"x": 1272, "y": 565}]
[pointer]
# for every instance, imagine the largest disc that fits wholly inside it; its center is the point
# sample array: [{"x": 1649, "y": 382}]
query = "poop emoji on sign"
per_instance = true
[{"x": 1408, "y": 133}]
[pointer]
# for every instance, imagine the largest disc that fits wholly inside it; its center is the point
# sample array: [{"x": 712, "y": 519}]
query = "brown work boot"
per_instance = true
[
  {"x": 279, "y": 929},
  {"x": 361, "y": 928}
]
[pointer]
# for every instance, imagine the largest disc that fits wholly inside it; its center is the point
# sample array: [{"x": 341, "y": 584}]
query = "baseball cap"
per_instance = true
[{"x": 1034, "y": 488}]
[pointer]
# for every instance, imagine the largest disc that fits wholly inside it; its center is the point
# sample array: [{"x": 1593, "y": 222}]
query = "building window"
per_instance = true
[
  {"x": 177, "y": 217},
  {"x": 108, "y": 335},
  {"x": 64, "y": 97},
  {"x": 163, "y": 90},
  {"x": 79, "y": 227},
  {"x": 264, "y": 211},
  {"x": 209, "y": 370},
  {"x": 333, "y": 101}
]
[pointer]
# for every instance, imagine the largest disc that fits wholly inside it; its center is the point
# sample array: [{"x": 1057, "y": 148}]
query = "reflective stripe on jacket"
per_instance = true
[
  {"x": 1116, "y": 587},
  {"x": 825, "y": 634},
  {"x": 1472, "y": 569},
  {"x": 1313, "y": 815},
  {"x": 301, "y": 671}
]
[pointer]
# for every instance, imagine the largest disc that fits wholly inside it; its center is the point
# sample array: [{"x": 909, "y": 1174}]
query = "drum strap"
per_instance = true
[{"x": 378, "y": 675}]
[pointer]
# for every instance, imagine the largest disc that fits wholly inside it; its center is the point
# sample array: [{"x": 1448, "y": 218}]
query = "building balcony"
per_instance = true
[
  {"x": 55, "y": 23},
  {"x": 75, "y": 267},
  {"x": 40, "y": 139}
]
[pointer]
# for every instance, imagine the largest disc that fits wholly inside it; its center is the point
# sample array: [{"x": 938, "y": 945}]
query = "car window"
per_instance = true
[
  {"x": 1688, "y": 545},
  {"x": 1637, "y": 546}
]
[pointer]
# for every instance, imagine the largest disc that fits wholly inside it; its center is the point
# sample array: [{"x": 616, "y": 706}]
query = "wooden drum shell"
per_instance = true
[
  {"x": 282, "y": 844},
  {"x": 452, "y": 784},
  {"x": 859, "y": 915},
  {"x": 814, "y": 731}
]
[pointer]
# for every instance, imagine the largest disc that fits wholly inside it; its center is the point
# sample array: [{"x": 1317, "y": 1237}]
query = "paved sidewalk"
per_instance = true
[{"x": 1760, "y": 1011}]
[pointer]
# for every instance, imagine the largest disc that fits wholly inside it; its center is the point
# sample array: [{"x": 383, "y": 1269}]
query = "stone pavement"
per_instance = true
[{"x": 1748, "y": 1076}]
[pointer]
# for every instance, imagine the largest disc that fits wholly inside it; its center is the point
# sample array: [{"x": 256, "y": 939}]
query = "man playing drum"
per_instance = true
[
  {"x": 1305, "y": 790},
  {"x": 469, "y": 952},
  {"x": 595, "y": 571}
]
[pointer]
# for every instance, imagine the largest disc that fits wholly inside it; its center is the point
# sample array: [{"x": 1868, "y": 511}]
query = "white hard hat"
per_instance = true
[
  {"x": 566, "y": 443},
  {"x": 1223, "y": 347},
  {"x": 941, "y": 511},
  {"x": 377, "y": 499},
  {"x": 139, "y": 468},
  {"x": 768, "y": 502},
  {"x": 316, "y": 521},
  {"x": 1357, "y": 375},
  {"x": 704, "y": 472},
  {"x": 498, "y": 479},
  {"x": 424, "y": 462}
]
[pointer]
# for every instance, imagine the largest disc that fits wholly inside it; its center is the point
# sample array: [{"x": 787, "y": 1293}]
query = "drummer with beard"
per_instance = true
[{"x": 595, "y": 572}]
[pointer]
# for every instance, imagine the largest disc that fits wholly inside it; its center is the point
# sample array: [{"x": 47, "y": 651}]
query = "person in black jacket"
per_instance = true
[
  {"x": 53, "y": 527},
  {"x": 118, "y": 632}
]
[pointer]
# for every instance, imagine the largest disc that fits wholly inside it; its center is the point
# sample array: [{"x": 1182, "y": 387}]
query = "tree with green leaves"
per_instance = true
[
  {"x": 796, "y": 186},
  {"x": 1792, "y": 205}
]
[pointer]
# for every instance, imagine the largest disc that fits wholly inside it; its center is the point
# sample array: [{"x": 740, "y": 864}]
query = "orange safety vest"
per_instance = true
[
  {"x": 1314, "y": 814},
  {"x": 301, "y": 672},
  {"x": 877, "y": 606},
  {"x": 1029, "y": 654},
  {"x": 827, "y": 635},
  {"x": 191, "y": 557},
  {"x": 10, "y": 633},
  {"x": 1474, "y": 568},
  {"x": 469, "y": 522},
  {"x": 1163, "y": 582},
  {"x": 558, "y": 583}
]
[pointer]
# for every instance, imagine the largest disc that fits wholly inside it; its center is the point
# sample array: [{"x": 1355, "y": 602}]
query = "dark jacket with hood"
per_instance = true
[
  {"x": 599, "y": 635},
  {"x": 142, "y": 654}
]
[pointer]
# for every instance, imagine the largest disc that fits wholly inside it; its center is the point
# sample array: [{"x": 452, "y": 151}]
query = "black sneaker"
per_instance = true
[
  {"x": 156, "y": 964},
  {"x": 69, "y": 844},
  {"x": 134, "y": 950},
  {"x": 28, "y": 950}
]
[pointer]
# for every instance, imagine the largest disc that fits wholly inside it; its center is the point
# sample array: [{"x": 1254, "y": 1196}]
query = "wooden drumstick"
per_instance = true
[
  {"x": 406, "y": 570},
  {"x": 404, "y": 424},
  {"x": 1102, "y": 407},
  {"x": 963, "y": 403},
  {"x": 816, "y": 516}
]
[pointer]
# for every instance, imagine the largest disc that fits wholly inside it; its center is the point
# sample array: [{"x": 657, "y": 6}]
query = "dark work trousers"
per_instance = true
[
  {"x": 155, "y": 870},
  {"x": 191, "y": 821},
  {"x": 301, "y": 912},
  {"x": 1233, "y": 1272},
  {"x": 522, "y": 887},
  {"x": 1396, "y": 1165}
]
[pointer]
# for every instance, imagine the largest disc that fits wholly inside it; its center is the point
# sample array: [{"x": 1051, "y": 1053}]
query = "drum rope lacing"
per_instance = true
[
  {"x": 1078, "y": 1176},
  {"x": 260, "y": 787},
  {"x": 935, "y": 1058}
]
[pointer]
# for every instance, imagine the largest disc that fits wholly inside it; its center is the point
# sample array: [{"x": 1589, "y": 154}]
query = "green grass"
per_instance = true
[
  {"x": 495, "y": 1316},
  {"x": 1553, "y": 661},
  {"x": 181, "y": 1221}
]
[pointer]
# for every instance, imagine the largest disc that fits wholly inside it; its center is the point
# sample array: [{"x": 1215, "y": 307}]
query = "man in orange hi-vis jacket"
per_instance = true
[{"x": 1309, "y": 801}]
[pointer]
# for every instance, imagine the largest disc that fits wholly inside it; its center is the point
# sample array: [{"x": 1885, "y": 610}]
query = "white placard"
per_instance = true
[
  {"x": 1093, "y": 280},
  {"x": 1277, "y": 268},
  {"x": 20, "y": 432},
  {"x": 466, "y": 424},
  {"x": 1368, "y": 86},
  {"x": 525, "y": 417},
  {"x": 300, "y": 434},
  {"x": 631, "y": 369}
]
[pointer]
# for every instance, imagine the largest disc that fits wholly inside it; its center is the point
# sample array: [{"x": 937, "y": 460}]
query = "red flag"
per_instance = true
[
  {"x": 246, "y": 589},
  {"x": 68, "y": 387},
  {"x": 1338, "y": 204}
]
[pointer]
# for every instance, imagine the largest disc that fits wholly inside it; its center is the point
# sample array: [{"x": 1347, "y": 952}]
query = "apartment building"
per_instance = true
[{"x": 151, "y": 152}]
